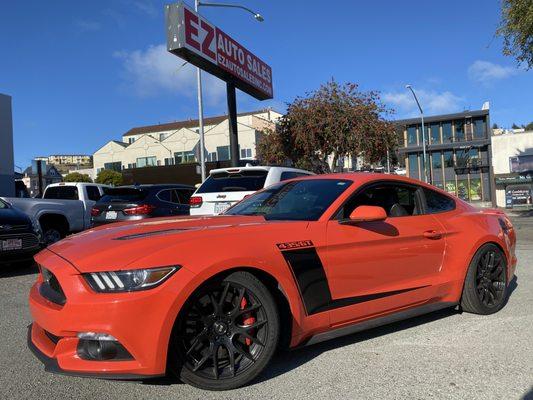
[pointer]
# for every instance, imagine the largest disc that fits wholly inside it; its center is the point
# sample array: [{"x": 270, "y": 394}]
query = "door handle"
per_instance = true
[{"x": 433, "y": 235}]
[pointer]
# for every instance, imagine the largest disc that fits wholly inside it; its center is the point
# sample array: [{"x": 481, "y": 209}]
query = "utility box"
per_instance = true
[{"x": 7, "y": 163}]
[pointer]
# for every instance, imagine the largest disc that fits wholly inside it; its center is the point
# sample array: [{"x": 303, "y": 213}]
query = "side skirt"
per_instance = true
[{"x": 379, "y": 321}]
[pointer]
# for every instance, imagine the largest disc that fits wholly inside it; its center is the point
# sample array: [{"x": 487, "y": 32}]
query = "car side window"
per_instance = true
[
  {"x": 184, "y": 195},
  {"x": 437, "y": 203},
  {"x": 396, "y": 200},
  {"x": 93, "y": 193},
  {"x": 175, "y": 198},
  {"x": 164, "y": 195},
  {"x": 285, "y": 175}
]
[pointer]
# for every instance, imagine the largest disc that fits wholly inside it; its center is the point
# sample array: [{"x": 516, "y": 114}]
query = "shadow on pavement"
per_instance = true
[
  {"x": 18, "y": 269},
  {"x": 286, "y": 361}
]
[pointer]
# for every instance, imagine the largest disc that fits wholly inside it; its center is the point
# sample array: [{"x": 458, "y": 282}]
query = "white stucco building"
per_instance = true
[
  {"x": 512, "y": 160},
  {"x": 178, "y": 142}
]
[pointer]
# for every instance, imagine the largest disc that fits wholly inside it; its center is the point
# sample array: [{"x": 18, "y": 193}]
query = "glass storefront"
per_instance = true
[{"x": 413, "y": 166}]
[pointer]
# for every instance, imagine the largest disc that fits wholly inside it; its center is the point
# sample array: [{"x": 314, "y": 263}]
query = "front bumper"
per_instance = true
[{"x": 140, "y": 321}]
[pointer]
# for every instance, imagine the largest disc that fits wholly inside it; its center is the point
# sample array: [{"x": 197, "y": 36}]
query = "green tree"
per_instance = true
[
  {"x": 516, "y": 28},
  {"x": 336, "y": 120},
  {"x": 515, "y": 126},
  {"x": 109, "y": 177},
  {"x": 529, "y": 127},
  {"x": 495, "y": 126},
  {"x": 77, "y": 177}
]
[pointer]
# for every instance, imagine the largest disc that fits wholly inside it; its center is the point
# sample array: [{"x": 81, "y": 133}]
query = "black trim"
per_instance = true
[
  {"x": 310, "y": 277},
  {"x": 51, "y": 365},
  {"x": 375, "y": 322},
  {"x": 350, "y": 301}
]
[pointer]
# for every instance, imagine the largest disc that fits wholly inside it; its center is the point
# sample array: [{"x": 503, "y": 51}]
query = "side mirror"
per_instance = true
[{"x": 365, "y": 214}]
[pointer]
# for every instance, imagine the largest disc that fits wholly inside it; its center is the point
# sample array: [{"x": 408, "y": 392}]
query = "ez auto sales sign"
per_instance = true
[{"x": 192, "y": 38}]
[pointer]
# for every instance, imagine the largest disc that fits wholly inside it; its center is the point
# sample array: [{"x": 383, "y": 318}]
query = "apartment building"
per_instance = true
[{"x": 178, "y": 142}]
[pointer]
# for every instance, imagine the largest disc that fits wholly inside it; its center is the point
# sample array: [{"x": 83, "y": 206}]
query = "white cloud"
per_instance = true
[
  {"x": 485, "y": 71},
  {"x": 154, "y": 71},
  {"x": 88, "y": 26},
  {"x": 146, "y": 7},
  {"x": 432, "y": 102}
]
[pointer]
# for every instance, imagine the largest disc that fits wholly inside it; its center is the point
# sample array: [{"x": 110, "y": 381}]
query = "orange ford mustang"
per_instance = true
[{"x": 210, "y": 299}]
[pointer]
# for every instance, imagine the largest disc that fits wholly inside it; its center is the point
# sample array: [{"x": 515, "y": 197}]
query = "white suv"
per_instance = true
[{"x": 226, "y": 186}]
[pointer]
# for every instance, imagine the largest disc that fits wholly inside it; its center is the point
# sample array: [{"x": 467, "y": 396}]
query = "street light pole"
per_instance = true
[
  {"x": 200, "y": 112},
  {"x": 423, "y": 132}
]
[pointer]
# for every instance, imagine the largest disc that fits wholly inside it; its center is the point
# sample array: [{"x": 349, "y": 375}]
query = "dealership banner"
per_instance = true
[{"x": 196, "y": 40}]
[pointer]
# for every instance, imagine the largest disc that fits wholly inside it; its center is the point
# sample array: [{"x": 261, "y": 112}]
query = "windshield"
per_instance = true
[
  {"x": 303, "y": 200},
  {"x": 122, "y": 195},
  {"x": 243, "y": 181},
  {"x": 3, "y": 205}
]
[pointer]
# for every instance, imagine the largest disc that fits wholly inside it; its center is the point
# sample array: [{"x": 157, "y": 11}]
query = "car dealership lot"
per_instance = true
[{"x": 440, "y": 355}]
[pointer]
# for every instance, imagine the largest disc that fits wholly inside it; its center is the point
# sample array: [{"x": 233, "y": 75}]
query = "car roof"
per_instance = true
[
  {"x": 58, "y": 184},
  {"x": 258, "y": 168},
  {"x": 156, "y": 186}
]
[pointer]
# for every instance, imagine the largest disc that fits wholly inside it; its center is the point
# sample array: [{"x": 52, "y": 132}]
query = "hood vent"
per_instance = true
[{"x": 152, "y": 233}]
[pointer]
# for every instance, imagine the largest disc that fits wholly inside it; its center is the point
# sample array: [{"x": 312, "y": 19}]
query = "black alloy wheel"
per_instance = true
[
  {"x": 485, "y": 288},
  {"x": 227, "y": 333}
]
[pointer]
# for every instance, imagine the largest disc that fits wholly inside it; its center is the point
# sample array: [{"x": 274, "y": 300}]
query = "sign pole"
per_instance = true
[
  {"x": 200, "y": 113},
  {"x": 232, "y": 122}
]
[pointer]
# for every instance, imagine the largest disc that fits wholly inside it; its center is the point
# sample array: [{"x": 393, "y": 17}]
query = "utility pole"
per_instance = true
[{"x": 200, "y": 112}]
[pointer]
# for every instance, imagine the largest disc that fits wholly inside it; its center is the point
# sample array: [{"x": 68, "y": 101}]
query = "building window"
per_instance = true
[
  {"x": 436, "y": 161},
  {"x": 459, "y": 131},
  {"x": 146, "y": 162},
  {"x": 447, "y": 136},
  {"x": 411, "y": 136},
  {"x": 479, "y": 128},
  {"x": 475, "y": 189},
  {"x": 413, "y": 166},
  {"x": 246, "y": 153},
  {"x": 169, "y": 161},
  {"x": 223, "y": 153},
  {"x": 131, "y": 140},
  {"x": 114, "y": 166},
  {"x": 184, "y": 157},
  {"x": 448, "y": 159},
  {"x": 435, "y": 133},
  {"x": 521, "y": 163},
  {"x": 162, "y": 136},
  {"x": 212, "y": 156}
]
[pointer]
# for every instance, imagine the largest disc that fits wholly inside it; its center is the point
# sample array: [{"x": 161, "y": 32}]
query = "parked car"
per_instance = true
[
  {"x": 226, "y": 186},
  {"x": 132, "y": 203},
  {"x": 211, "y": 299},
  {"x": 20, "y": 235},
  {"x": 64, "y": 208}
]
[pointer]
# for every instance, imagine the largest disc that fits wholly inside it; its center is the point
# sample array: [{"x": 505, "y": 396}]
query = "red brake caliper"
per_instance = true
[{"x": 248, "y": 319}]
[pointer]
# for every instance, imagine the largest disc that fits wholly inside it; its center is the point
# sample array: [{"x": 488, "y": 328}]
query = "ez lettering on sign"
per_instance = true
[{"x": 194, "y": 39}]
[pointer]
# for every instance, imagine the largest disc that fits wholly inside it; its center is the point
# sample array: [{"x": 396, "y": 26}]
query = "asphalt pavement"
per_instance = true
[{"x": 444, "y": 355}]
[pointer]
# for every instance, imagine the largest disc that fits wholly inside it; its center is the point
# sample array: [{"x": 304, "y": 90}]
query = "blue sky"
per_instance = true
[{"x": 83, "y": 72}]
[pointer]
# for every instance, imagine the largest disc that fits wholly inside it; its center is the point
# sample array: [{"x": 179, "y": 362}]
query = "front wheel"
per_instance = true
[
  {"x": 226, "y": 334},
  {"x": 485, "y": 288}
]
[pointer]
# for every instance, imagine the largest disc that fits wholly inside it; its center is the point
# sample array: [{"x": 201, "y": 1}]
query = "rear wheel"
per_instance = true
[
  {"x": 227, "y": 333},
  {"x": 485, "y": 287}
]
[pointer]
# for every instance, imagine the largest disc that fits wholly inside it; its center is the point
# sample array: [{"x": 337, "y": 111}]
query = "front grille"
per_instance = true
[
  {"x": 50, "y": 289},
  {"x": 29, "y": 240}
]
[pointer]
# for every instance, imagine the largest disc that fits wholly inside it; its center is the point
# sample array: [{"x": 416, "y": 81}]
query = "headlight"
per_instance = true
[
  {"x": 35, "y": 226},
  {"x": 129, "y": 281}
]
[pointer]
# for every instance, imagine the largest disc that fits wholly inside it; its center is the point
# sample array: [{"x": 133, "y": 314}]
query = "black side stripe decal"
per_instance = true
[
  {"x": 310, "y": 277},
  {"x": 308, "y": 271}
]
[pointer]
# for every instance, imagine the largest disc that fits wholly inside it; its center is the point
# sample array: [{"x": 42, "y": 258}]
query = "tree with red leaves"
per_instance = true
[{"x": 335, "y": 120}]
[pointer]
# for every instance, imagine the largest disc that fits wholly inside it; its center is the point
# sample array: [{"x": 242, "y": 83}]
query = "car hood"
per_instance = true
[
  {"x": 12, "y": 217},
  {"x": 115, "y": 246}
]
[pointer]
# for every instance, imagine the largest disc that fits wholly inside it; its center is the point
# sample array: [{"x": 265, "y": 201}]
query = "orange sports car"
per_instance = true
[{"x": 210, "y": 299}]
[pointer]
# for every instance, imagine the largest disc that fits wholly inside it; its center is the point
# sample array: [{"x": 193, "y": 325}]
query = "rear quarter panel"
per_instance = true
[{"x": 467, "y": 229}]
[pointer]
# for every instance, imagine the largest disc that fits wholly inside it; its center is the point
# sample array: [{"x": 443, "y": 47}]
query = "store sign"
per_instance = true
[{"x": 194, "y": 39}]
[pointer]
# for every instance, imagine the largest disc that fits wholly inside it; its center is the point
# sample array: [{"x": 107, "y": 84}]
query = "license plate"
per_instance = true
[
  {"x": 111, "y": 215},
  {"x": 221, "y": 207},
  {"x": 11, "y": 244}
]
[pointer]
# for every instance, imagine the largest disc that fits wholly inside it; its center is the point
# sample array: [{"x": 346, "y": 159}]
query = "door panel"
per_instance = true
[{"x": 384, "y": 265}]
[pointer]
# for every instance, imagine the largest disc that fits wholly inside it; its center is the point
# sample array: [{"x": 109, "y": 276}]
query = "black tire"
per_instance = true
[
  {"x": 53, "y": 233},
  {"x": 485, "y": 287},
  {"x": 221, "y": 341}
]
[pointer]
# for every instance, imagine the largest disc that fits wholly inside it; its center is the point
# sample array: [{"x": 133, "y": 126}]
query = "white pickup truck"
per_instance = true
[{"x": 65, "y": 208}]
